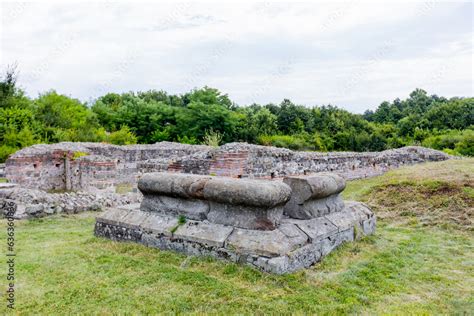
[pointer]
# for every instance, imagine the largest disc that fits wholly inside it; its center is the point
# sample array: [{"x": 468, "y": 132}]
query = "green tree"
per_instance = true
[
  {"x": 454, "y": 114},
  {"x": 198, "y": 117},
  {"x": 56, "y": 112}
]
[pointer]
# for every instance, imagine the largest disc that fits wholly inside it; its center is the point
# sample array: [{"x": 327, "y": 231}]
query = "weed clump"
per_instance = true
[{"x": 181, "y": 221}]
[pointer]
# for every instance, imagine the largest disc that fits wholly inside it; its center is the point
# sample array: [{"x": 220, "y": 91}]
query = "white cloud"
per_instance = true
[{"x": 352, "y": 54}]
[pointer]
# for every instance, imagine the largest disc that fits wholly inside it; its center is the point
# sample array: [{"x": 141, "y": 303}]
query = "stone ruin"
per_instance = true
[
  {"x": 273, "y": 208},
  {"x": 276, "y": 226},
  {"x": 95, "y": 166},
  {"x": 75, "y": 177}
]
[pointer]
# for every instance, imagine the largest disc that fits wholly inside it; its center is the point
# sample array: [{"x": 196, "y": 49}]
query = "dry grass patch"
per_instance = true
[{"x": 435, "y": 194}]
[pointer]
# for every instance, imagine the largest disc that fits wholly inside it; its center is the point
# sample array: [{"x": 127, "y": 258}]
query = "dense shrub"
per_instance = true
[
  {"x": 6, "y": 151},
  {"x": 466, "y": 145},
  {"x": 123, "y": 136},
  {"x": 455, "y": 142}
]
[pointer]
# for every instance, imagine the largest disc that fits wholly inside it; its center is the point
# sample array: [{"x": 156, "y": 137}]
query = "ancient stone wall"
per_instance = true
[
  {"x": 92, "y": 166},
  {"x": 87, "y": 166},
  {"x": 271, "y": 162},
  {"x": 251, "y": 161}
]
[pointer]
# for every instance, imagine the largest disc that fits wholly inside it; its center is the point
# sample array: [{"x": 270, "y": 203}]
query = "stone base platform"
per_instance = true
[{"x": 294, "y": 245}]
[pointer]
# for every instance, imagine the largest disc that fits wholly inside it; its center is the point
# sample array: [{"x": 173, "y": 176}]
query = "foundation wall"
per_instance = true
[{"x": 95, "y": 166}]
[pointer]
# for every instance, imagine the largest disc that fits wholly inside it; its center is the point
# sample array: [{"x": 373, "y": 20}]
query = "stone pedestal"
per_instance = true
[{"x": 241, "y": 220}]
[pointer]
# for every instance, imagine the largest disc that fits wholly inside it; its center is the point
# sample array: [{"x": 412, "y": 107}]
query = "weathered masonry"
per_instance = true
[
  {"x": 276, "y": 226},
  {"x": 92, "y": 166}
]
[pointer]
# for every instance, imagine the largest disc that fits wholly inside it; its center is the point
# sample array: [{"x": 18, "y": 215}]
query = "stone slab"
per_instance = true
[
  {"x": 266, "y": 243},
  {"x": 172, "y": 184},
  {"x": 117, "y": 232},
  {"x": 160, "y": 225},
  {"x": 226, "y": 190},
  {"x": 329, "y": 244},
  {"x": 260, "y": 193},
  {"x": 300, "y": 258},
  {"x": 316, "y": 228},
  {"x": 173, "y": 206},
  {"x": 113, "y": 216},
  {"x": 188, "y": 247},
  {"x": 250, "y": 217},
  {"x": 134, "y": 219},
  {"x": 360, "y": 209},
  {"x": 344, "y": 219},
  {"x": 314, "y": 196},
  {"x": 204, "y": 233}
]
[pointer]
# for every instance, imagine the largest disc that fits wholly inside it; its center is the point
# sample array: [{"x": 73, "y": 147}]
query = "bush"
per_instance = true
[
  {"x": 265, "y": 140},
  {"x": 466, "y": 145},
  {"x": 124, "y": 136},
  {"x": 441, "y": 142},
  {"x": 6, "y": 151},
  {"x": 187, "y": 140},
  {"x": 453, "y": 142},
  {"x": 293, "y": 142},
  {"x": 212, "y": 138},
  {"x": 318, "y": 142},
  {"x": 22, "y": 138},
  {"x": 159, "y": 136},
  {"x": 451, "y": 152}
]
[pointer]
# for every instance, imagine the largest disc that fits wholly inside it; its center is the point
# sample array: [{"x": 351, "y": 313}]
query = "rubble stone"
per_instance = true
[{"x": 33, "y": 203}]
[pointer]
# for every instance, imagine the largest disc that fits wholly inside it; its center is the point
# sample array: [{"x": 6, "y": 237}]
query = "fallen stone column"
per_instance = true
[
  {"x": 314, "y": 196},
  {"x": 251, "y": 204}
]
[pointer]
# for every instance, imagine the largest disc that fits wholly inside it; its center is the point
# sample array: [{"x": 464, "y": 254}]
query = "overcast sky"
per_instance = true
[{"x": 350, "y": 54}]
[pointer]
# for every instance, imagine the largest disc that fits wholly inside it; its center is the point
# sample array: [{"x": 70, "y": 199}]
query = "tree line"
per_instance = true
[{"x": 207, "y": 116}]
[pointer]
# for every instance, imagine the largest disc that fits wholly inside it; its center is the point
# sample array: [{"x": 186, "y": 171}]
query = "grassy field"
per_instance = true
[{"x": 420, "y": 261}]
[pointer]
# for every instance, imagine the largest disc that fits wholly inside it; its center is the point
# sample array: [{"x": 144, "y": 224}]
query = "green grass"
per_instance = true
[
  {"x": 123, "y": 188},
  {"x": 3, "y": 180},
  {"x": 405, "y": 268}
]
